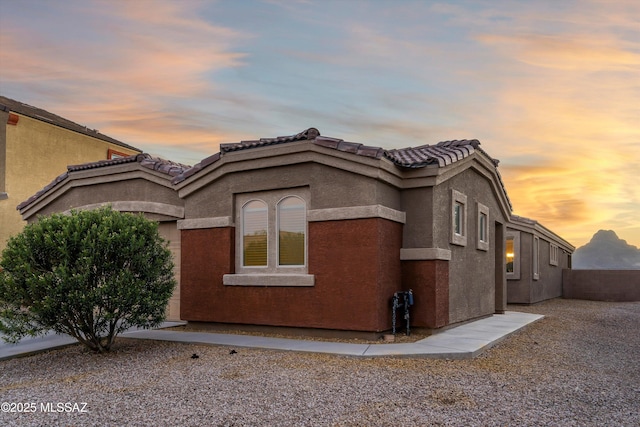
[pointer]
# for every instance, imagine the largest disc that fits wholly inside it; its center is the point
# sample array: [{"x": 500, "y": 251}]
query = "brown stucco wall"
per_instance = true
[
  {"x": 418, "y": 230},
  {"x": 103, "y": 192},
  {"x": 429, "y": 281},
  {"x": 601, "y": 285},
  {"x": 330, "y": 188},
  {"x": 472, "y": 272},
  {"x": 526, "y": 289},
  {"x": 356, "y": 264}
]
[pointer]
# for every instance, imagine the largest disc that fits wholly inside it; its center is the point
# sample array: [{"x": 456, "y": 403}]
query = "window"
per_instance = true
[
  {"x": 113, "y": 154},
  {"x": 483, "y": 227},
  {"x": 458, "y": 218},
  {"x": 254, "y": 234},
  {"x": 292, "y": 224},
  {"x": 536, "y": 258},
  {"x": 271, "y": 232},
  {"x": 512, "y": 253},
  {"x": 553, "y": 254}
]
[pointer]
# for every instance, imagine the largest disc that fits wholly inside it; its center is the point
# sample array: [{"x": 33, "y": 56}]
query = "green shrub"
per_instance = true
[{"x": 91, "y": 275}]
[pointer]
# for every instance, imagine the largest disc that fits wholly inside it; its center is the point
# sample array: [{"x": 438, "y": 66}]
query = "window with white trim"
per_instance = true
[
  {"x": 255, "y": 234},
  {"x": 553, "y": 254},
  {"x": 536, "y": 258},
  {"x": 271, "y": 232},
  {"x": 512, "y": 254},
  {"x": 292, "y": 226},
  {"x": 458, "y": 218},
  {"x": 483, "y": 227}
]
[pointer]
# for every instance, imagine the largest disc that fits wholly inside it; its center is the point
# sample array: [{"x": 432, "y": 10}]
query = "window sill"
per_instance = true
[{"x": 297, "y": 280}]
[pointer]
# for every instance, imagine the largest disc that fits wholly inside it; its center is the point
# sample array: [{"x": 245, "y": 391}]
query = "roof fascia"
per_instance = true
[
  {"x": 541, "y": 231},
  {"x": 290, "y": 154}
]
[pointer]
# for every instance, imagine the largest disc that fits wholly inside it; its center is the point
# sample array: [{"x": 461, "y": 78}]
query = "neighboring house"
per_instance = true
[
  {"x": 309, "y": 231},
  {"x": 35, "y": 145},
  {"x": 535, "y": 259}
]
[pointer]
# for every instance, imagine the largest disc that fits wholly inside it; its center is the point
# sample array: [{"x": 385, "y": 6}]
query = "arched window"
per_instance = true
[
  {"x": 292, "y": 224},
  {"x": 255, "y": 222}
]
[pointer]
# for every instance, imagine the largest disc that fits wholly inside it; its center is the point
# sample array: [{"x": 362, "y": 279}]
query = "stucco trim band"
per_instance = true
[
  {"x": 424, "y": 254},
  {"x": 197, "y": 223},
  {"x": 356, "y": 212},
  {"x": 137, "y": 206},
  {"x": 268, "y": 280}
]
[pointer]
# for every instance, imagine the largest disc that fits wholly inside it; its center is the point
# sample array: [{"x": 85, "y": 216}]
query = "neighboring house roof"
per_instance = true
[
  {"x": 11, "y": 105},
  {"x": 145, "y": 160},
  {"x": 442, "y": 154}
]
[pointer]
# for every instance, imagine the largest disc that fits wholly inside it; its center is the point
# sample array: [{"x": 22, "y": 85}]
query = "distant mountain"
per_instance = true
[{"x": 606, "y": 251}]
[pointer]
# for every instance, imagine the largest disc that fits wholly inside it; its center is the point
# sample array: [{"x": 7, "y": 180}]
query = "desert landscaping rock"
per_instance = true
[{"x": 579, "y": 366}]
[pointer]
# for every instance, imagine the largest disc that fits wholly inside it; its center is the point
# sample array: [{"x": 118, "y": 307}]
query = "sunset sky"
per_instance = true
[{"x": 550, "y": 88}]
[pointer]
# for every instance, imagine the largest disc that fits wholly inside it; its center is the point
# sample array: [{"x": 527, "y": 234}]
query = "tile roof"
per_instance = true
[
  {"x": 145, "y": 160},
  {"x": 8, "y": 104},
  {"x": 442, "y": 154}
]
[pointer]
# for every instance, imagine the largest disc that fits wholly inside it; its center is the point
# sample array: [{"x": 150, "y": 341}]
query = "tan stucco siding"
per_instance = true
[
  {"x": 36, "y": 153},
  {"x": 170, "y": 232}
]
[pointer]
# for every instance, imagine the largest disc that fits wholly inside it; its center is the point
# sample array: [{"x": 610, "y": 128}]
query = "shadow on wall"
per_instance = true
[{"x": 601, "y": 285}]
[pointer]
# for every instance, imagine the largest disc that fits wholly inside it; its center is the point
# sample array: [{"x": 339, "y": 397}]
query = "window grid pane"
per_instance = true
[
  {"x": 458, "y": 212},
  {"x": 254, "y": 223},
  {"x": 291, "y": 232}
]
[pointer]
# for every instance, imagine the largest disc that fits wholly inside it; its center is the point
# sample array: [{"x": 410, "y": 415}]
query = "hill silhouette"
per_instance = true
[{"x": 606, "y": 251}]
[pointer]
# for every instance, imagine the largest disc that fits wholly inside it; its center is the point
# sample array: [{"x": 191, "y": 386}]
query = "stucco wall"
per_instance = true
[
  {"x": 527, "y": 289},
  {"x": 472, "y": 272},
  {"x": 36, "y": 153},
  {"x": 601, "y": 285},
  {"x": 330, "y": 188},
  {"x": 171, "y": 234},
  {"x": 356, "y": 264},
  {"x": 418, "y": 230},
  {"x": 104, "y": 192}
]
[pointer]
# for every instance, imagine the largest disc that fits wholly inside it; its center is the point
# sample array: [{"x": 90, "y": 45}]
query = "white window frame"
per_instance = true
[
  {"x": 277, "y": 237},
  {"x": 458, "y": 198},
  {"x": 515, "y": 274},
  {"x": 536, "y": 258},
  {"x": 483, "y": 212},
  {"x": 241, "y": 235},
  {"x": 273, "y": 274},
  {"x": 553, "y": 254}
]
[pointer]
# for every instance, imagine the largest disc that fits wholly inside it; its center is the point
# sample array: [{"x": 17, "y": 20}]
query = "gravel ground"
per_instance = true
[{"x": 577, "y": 367}]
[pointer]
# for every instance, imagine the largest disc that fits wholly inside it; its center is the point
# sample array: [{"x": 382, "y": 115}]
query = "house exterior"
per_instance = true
[
  {"x": 35, "y": 145},
  {"x": 314, "y": 232},
  {"x": 535, "y": 258},
  {"x": 139, "y": 183}
]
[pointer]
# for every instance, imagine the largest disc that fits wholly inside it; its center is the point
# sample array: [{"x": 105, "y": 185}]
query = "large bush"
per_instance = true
[{"x": 91, "y": 275}]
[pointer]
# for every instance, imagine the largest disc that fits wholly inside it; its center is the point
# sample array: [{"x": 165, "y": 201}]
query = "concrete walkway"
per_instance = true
[
  {"x": 28, "y": 346},
  {"x": 461, "y": 342}
]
